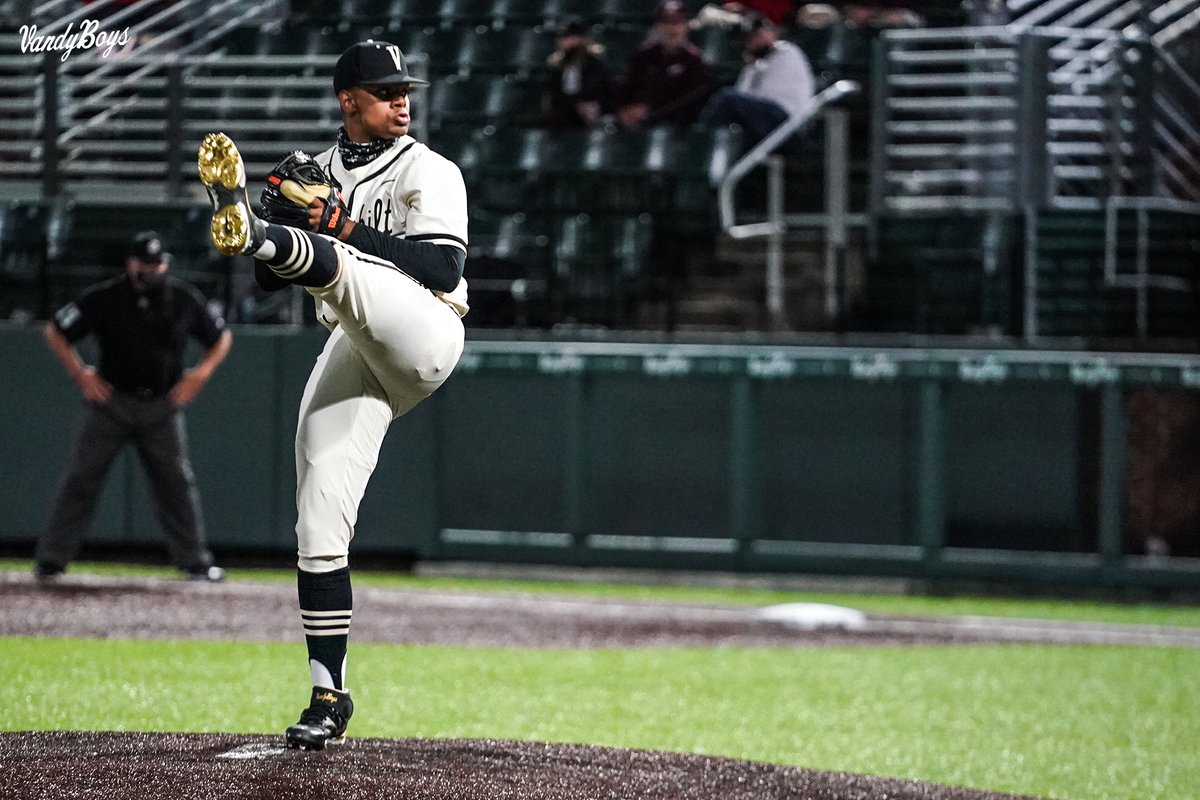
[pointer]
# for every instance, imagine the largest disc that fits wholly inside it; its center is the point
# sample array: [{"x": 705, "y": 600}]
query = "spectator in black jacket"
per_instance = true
[{"x": 579, "y": 84}]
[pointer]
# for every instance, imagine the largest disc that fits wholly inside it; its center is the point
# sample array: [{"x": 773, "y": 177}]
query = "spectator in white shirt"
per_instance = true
[{"x": 776, "y": 83}]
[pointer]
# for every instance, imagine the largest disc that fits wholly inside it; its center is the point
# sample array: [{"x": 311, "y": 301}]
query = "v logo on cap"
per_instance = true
[{"x": 394, "y": 52}]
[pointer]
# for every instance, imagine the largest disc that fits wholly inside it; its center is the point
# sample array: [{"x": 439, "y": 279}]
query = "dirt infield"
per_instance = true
[
  {"x": 109, "y": 766},
  {"x": 89, "y": 766},
  {"x": 81, "y": 605}
]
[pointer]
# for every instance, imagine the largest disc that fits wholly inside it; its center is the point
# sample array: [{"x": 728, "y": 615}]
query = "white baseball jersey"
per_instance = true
[
  {"x": 411, "y": 192},
  {"x": 392, "y": 342}
]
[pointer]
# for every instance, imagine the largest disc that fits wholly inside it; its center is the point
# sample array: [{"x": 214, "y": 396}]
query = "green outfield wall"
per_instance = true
[{"x": 953, "y": 463}]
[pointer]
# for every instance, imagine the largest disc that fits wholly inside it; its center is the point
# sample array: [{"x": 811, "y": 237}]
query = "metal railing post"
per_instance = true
[
  {"x": 930, "y": 518},
  {"x": 1143, "y": 273},
  {"x": 1112, "y": 473},
  {"x": 50, "y": 125},
  {"x": 776, "y": 313},
  {"x": 837, "y": 181},
  {"x": 1029, "y": 299},
  {"x": 1139, "y": 58},
  {"x": 1035, "y": 183},
  {"x": 175, "y": 101},
  {"x": 745, "y": 502},
  {"x": 879, "y": 140},
  {"x": 577, "y": 467}
]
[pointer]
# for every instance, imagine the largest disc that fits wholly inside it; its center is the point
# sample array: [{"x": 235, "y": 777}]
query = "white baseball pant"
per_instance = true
[{"x": 394, "y": 344}]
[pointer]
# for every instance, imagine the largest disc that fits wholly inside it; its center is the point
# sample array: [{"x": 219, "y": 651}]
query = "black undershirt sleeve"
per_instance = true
[{"x": 434, "y": 266}]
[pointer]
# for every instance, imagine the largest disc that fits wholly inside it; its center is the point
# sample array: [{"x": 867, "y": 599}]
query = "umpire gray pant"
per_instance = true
[{"x": 156, "y": 429}]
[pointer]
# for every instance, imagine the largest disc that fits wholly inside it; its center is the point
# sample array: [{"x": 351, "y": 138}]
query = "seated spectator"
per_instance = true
[
  {"x": 579, "y": 83},
  {"x": 666, "y": 80},
  {"x": 776, "y": 83},
  {"x": 883, "y": 14},
  {"x": 777, "y": 11},
  {"x": 730, "y": 14}
]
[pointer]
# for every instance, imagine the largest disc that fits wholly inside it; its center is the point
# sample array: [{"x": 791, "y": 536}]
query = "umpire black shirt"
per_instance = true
[{"x": 141, "y": 336}]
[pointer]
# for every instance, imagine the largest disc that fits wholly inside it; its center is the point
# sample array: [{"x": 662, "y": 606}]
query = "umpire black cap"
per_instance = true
[
  {"x": 372, "y": 62},
  {"x": 147, "y": 247}
]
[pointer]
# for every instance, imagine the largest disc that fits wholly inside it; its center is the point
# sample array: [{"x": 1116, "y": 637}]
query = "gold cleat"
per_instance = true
[{"x": 234, "y": 229}]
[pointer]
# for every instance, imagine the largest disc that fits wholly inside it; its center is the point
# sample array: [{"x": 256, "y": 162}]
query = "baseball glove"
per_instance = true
[{"x": 292, "y": 185}]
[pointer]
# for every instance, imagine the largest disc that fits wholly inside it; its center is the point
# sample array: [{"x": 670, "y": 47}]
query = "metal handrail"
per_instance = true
[
  {"x": 776, "y": 224},
  {"x": 759, "y": 153},
  {"x": 1178, "y": 71},
  {"x": 151, "y": 65},
  {"x": 79, "y": 12}
]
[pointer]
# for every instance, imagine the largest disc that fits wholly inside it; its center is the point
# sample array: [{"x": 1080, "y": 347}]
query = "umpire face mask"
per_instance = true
[{"x": 146, "y": 277}]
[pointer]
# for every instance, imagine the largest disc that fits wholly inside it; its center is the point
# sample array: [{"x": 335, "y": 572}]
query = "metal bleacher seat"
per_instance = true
[
  {"x": 489, "y": 13},
  {"x": 245, "y": 40},
  {"x": 694, "y": 166},
  {"x": 529, "y": 13},
  {"x": 606, "y": 171},
  {"x": 598, "y": 264},
  {"x": 722, "y": 50},
  {"x": 94, "y": 236},
  {"x": 619, "y": 44},
  {"x": 406, "y": 37},
  {"x": 508, "y": 164},
  {"x": 514, "y": 101},
  {"x": 521, "y": 238},
  {"x": 441, "y": 46},
  {"x": 536, "y": 47},
  {"x": 290, "y": 38},
  {"x": 660, "y": 170},
  {"x": 463, "y": 103},
  {"x": 22, "y": 255},
  {"x": 455, "y": 143},
  {"x": 822, "y": 46},
  {"x": 412, "y": 13},
  {"x": 459, "y": 101},
  {"x": 508, "y": 269},
  {"x": 497, "y": 50},
  {"x": 631, "y": 13},
  {"x": 576, "y": 168},
  {"x": 555, "y": 11},
  {"x": 313, "y": 41}
]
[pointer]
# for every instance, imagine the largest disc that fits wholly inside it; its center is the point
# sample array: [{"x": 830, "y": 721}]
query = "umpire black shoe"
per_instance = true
[
  {"x": 234, "y": 229},
  {"x": 47, "y": 571},
  {"x": 323, "y": 722},
  {"x": 205, "y": 574}
]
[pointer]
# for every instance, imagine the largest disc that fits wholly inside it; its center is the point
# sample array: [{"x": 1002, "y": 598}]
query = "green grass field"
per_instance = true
[{"x": 1077, "y": 723}]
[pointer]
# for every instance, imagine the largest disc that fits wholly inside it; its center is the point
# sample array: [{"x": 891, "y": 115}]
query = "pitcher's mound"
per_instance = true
[{"x": 141, "y": 766}]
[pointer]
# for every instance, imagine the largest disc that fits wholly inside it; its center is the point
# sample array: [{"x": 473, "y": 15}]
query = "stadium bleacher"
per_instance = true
[{"x": 487, "y": 63}]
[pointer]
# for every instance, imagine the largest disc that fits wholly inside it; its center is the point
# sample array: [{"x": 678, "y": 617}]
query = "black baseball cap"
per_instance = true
[
  {"x": 752, "y": 23},
  {"x": 147, "y": 247},
  {"x": 572, "y": 26},
  {"x": 372, "y": 62}
]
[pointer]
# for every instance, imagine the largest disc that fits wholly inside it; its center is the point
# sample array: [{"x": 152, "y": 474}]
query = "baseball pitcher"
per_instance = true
[{"x": 375, "y": 229}]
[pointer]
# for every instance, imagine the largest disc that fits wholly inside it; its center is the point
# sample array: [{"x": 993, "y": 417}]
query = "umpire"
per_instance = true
[{"x": 141, "y": 320}]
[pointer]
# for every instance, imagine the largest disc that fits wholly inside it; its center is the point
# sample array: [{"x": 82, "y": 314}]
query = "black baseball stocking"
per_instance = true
[
  {"x": 298, "y": 256},
  {"x": 326, "y": 601}
]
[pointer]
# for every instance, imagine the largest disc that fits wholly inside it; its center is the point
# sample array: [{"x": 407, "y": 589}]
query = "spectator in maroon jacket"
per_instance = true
[{"x": 666, "y": 80}]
